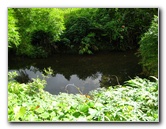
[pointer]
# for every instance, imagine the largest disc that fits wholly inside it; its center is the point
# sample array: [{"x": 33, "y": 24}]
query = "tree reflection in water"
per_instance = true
[
  {"x": 23, "y": 77},
  {"x": 86, "y": 72}
]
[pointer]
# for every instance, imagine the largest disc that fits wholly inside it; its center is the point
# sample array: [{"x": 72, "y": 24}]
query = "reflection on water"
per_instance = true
[
  {"x": 83, "y": 72},
  {"x": 59, "y": 83}
]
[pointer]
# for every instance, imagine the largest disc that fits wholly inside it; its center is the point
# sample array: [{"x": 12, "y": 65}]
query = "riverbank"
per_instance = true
[{"x": 135, "y": 101}]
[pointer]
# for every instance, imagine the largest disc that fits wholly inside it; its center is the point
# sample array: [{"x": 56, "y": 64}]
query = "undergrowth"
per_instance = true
[{"x": 137, "y": 101}]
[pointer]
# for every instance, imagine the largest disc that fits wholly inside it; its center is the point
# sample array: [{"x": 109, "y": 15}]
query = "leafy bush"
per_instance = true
[
  {"x": 79, "y": 27},
  {"x": 149, "y": 49},
  {"x": 88, "y": 44},
  {"x": 13, "y": 34},
  {"x": 114, "y": 28},
  {"x": 31, "y": 20},
  {"x": 38, "y": 52},
  {"x": 29, "y": 102}
]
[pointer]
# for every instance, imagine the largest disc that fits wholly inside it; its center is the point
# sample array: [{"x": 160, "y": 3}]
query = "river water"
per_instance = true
[{"x": 87, "y": 72}]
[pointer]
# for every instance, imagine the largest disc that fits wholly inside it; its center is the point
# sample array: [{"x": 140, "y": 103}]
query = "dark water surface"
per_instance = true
[{"x": 86, "y": 72}]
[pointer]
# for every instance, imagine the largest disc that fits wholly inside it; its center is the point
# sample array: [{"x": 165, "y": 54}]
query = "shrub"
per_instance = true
[
  {"x": 88, "y": 44},
  {"x": 114, "y": 28},
  {"x": 36, "y": 22},
  {"x": 79, "y": 27},
  {"x": 149, "y": 49}
]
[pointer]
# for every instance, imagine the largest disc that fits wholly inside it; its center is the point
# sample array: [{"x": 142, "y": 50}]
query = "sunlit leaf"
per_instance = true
[
  {"x": 92, "y": 112},
  {"x": 39, "y": 110},
  {"x": 83, "y": 108},
  {"x": 44, "y": 115}
]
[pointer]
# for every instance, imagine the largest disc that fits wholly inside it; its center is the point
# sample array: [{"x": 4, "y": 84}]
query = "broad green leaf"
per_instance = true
[
  {"x": 52, "y": 114},
  {"x": 45, "y": 115},
  {"x": 22, "y": 111},
  {"x": 76, "y": 114},
  {"x": 91, "y": 104},
  {"x": 19, "y": 112},
  {"x": 83, "y": 108},
  {"x": 40, "y": 110}
]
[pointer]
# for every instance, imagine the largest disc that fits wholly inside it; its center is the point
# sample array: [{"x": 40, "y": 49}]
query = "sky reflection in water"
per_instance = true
[{"x": 85, "y": 72}]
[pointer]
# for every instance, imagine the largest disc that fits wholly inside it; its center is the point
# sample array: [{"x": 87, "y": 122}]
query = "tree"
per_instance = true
[{"x": 31, "y": 20}]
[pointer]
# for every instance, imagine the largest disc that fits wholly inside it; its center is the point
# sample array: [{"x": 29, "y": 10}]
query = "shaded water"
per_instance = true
[{"x": 85, "y": 72}]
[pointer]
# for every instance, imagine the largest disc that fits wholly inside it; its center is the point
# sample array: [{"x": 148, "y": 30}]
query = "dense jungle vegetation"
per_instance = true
[{"x": 43, "y": 32}]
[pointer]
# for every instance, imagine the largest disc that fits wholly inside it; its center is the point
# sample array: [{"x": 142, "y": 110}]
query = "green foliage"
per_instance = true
[
  {"x": 85, "y": 29},
  {"x": 29, "y": 102},
  {"x": 88, "y": 44},
  {"x": 122, "y": 27},
  {"x": 13, "y": 34},
  {"x": 149, "y": 49},
  {"x": 137, "y": 21},
  {"x": 79, "y": 27},
  {"x": 30, "y": 20},
  {"x": 137, "y": 101},
  {"x": 114, "y": 28},
  {"x": 37, "y": 52}
]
